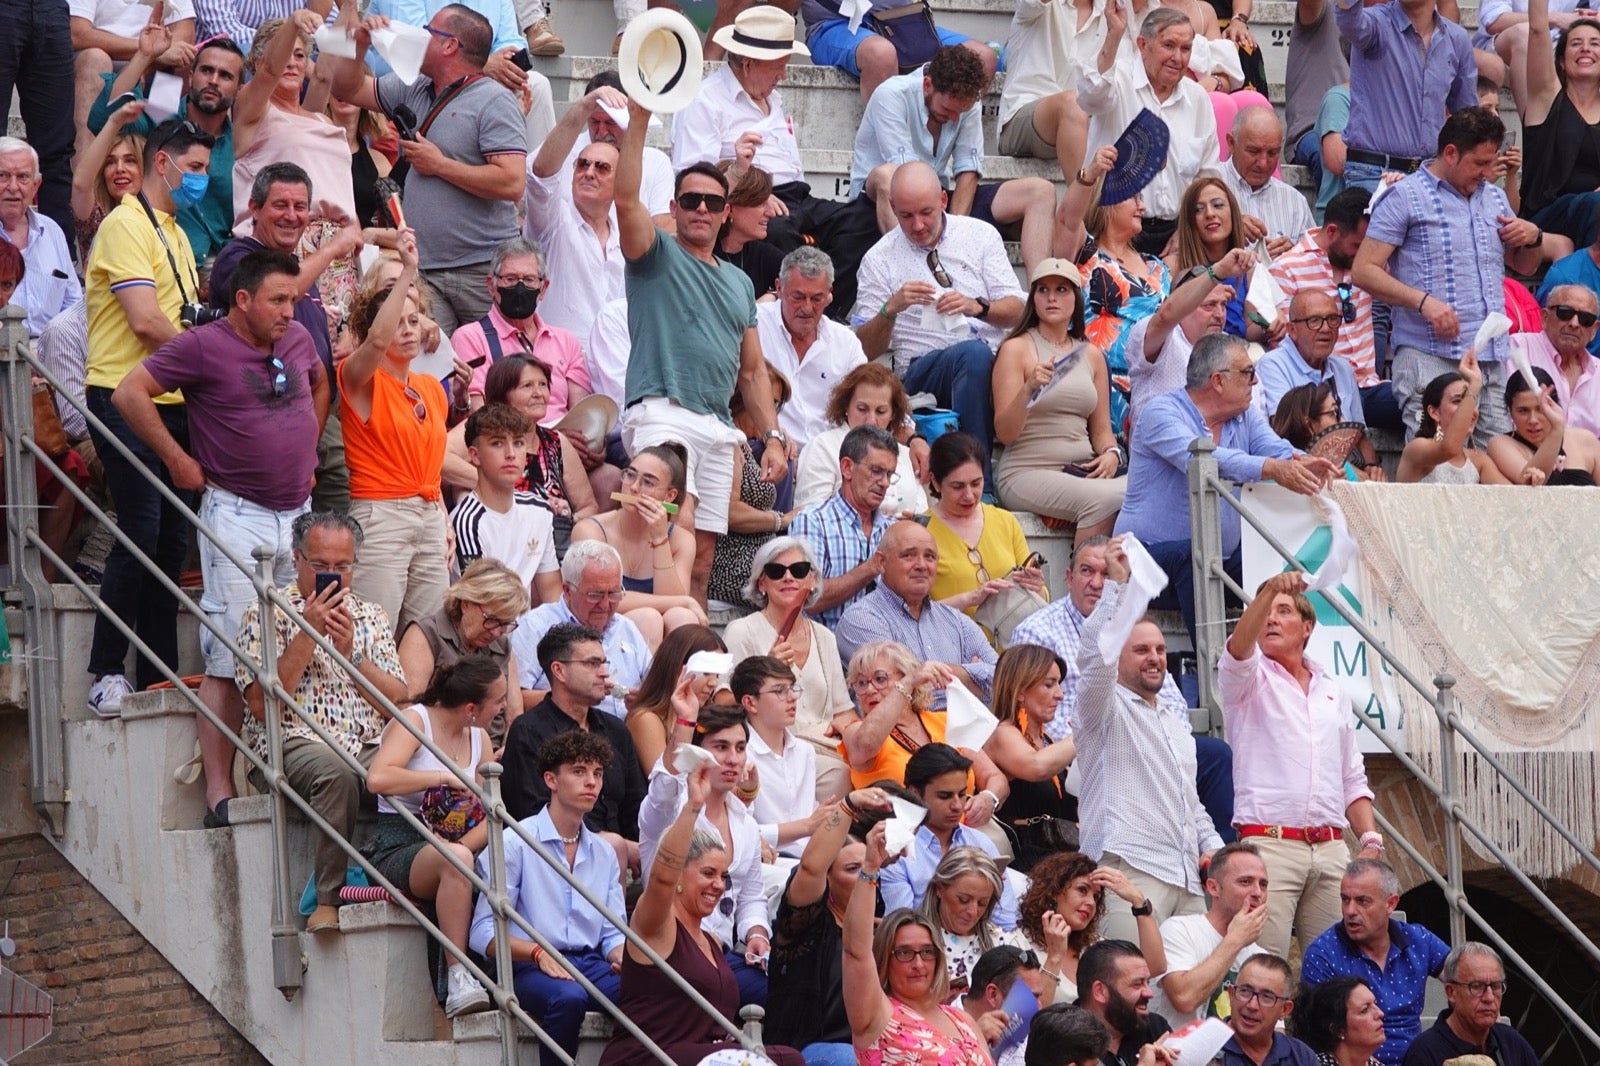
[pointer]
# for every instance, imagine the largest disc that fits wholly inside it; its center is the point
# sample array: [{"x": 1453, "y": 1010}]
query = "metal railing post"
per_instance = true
[
  {"x": 288, "y": 966},
  {"x": 1205, "y": 555},
  {"x": 491, "y": 772},
  {"x": 40, "y": 659},
  {"x": 1450, "y": 803}
]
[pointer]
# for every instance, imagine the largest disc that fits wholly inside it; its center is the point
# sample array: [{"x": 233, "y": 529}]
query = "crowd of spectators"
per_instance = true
[{"x": 521, "y": 406}]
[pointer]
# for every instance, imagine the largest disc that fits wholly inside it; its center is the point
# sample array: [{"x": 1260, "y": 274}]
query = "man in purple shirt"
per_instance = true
[
  {"x": 1436, "y": 250},
  {"x": 1409, "y": 65},
  {"x": 257, "y": 396},
  {"x": 1215, "y": 402}
]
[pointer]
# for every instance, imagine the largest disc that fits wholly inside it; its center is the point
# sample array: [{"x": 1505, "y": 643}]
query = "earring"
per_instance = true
[{"x": 680, "y": 890}]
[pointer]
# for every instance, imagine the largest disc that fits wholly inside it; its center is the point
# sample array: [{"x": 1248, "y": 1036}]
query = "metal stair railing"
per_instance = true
[
  {"x": 18, "y": 365},
  {"x": 1208, "y": 493}
]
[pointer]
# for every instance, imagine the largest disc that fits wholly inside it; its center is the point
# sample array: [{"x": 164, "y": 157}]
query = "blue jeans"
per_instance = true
[
  {"x": 1381, "y": 409},
  {"x": 36, "y": 61},
  {"x": 829, "y": 1054},
  {"x": 130, "y": 591},
  {"x": 1362, "y": 175},
  {"x": 959, "y": 378},
  {"x": 1572, "y": 215},
  {"x": 752, "y": 980},
  {"x": 560, "y": 1005},
  {"x": 1308, "y": 154},
  {"x": 1213, "y": 783},
  {"x": 1174, "y": 557}
]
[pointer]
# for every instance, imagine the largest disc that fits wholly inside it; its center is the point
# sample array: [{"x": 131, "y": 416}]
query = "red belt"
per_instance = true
[{"x": 1311, "y": 834}]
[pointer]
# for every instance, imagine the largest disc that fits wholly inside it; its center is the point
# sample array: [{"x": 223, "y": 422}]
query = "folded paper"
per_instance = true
[
  {"x": 968, "y": 722},
  {"x": 899, "y": 831},
  {"x": 165, "y": 97},
  {"x": 709, "y": 662},
  {"x": 1342, "y": 551},
  {"x": 402, "y": 47},
  {"x": 1146, "y": 579},
  {"x": 688, "y": 758},
  {"x": 335, "y": 41}
]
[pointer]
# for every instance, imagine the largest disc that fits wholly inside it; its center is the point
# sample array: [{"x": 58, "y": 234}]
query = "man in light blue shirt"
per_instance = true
[
  {"x": 573, "y": 764},
  {"x": 49, "y": 282},
  {"x": 845, "y": 529},
  {"x": 1306, "y": 358},
  {"x": 1215, "y": 402},
  {"x": 591, "y": 583}
]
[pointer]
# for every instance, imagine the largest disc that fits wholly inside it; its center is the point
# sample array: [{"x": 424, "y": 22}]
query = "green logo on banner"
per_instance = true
[{"x": 1312, "y": 554}]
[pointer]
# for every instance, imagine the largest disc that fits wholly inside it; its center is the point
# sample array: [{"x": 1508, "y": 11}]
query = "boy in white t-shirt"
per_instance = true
[{"x": 496, "y": 521}]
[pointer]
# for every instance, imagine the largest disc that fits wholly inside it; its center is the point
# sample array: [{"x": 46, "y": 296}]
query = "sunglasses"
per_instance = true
[
  {"x": 1567, "y": 314},
  {"x": 798, "y": 570},
  {"x": 1347, "y": 306},
  {"x": 280, "y": 375},
  {"x": 691, "y": 201},
  {"x": 939, "y": 273},
  {"x": 419, "y": 408},
  {"x": 601, "y": 166}
]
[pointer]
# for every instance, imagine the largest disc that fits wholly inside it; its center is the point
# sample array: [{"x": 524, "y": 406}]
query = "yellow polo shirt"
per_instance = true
[{"x": 127, "y": 253}]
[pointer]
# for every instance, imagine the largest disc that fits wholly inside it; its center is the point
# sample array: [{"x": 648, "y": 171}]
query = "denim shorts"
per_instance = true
[{"x": 242, "y": 526}]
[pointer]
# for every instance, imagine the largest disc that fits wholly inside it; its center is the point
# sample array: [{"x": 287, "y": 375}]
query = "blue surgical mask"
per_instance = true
[{"x": 191, "y": 190}]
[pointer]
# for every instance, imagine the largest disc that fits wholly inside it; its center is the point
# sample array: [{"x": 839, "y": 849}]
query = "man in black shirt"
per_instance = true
[
  {"x": 1475, "y": 984},
  {"x": 1114, "y": 986}
]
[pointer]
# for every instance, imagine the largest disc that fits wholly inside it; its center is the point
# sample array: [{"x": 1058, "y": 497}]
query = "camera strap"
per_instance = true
[{"x": 172, "y": 260}]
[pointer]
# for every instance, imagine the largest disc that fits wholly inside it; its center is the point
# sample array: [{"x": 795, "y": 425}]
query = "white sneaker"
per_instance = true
[
  {"x": 466, "y": 996},
  {"x": 105, "y": 695}
]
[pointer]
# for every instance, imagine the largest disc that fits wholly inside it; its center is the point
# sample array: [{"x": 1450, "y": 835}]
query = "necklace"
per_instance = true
[{"x": 573, "y": 839}]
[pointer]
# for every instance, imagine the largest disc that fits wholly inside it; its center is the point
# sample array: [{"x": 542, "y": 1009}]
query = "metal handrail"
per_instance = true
[
  {"x": 50, "y": 786},
  {"x": 1207, "y": 491}
]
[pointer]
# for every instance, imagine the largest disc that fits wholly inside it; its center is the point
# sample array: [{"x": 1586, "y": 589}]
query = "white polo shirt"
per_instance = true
[
  {"x": 834, "y": 353},
  {"x": 584, "y": 275}
]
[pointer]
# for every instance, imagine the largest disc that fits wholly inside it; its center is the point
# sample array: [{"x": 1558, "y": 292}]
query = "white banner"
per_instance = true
[{"x": 1298, "y": 524}]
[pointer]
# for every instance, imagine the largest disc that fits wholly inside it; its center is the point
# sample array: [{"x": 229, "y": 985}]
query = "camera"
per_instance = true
[
  {"x": 405, "y": 121},
  {"x": 192, "y": 315}
]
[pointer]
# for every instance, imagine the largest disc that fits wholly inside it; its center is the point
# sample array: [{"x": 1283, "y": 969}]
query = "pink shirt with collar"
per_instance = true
[
  {"x": 1295, "y": 757},
  {"x": 553, "y": 346},
  {"x": 1581, "y": 402}
]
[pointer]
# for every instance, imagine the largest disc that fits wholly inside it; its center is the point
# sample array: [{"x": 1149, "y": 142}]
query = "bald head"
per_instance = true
[
  {"x": 1256, "y": 144},
  {"x": 1314, "y": 339},
  {"x": 910, "y": 560},
  {"x": 1570, "y": 338},
  {"x": 918, "y": 201}
]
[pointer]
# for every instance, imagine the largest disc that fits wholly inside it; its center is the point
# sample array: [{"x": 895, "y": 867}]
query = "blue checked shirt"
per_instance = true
[
  {"x": 1415, "y": 954},
  {"x": 942, "y": 635},
  {"x": 833, "y": 529}
]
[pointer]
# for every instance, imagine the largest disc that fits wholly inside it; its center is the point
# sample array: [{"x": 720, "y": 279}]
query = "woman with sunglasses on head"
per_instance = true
[
  {"x": 479, "y": 615},
  {"x": 1307, "y": 410},
  {"x": 394, "y": 434},
  {"x": 753, "y": 514},
  {"x": 783, "y": 581},
  {"x": 896, "y": 982},
  {"x": 109, "y": 169},
  {"x": 657, "y": 553},
  {"x": 1442, "y": 453},
  {"x": 981, "y": 547},
  {"x": 1541, "y": 448}
]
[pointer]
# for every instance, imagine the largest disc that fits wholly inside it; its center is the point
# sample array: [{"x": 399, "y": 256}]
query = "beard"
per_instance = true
[{"x": 1122, "y": 1015}]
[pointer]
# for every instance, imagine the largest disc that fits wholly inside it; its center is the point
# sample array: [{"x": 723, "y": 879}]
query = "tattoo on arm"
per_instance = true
[
  {"x": 833, "y": 821},
  {"x": 671, "y": 860}
]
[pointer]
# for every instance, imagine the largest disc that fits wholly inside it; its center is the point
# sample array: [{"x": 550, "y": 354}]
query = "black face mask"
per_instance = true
[{"x": 518, "y": 301}]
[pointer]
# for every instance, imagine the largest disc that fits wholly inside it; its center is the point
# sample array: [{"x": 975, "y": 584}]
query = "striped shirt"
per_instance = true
[
  {"x": 239, "y": 19},
  {"x": 833, "y": 529},
  {"x": 1279, "y": 205},
  {"x": 521, "y": 537},
  {"x": 1305, "y": 267},
  {"x": 940, "y": 634}
]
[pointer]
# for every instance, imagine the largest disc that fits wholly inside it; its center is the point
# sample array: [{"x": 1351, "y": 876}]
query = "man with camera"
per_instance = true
[
  {"x": 258, "y": 395},
  {"x": 142, "y": 289}
]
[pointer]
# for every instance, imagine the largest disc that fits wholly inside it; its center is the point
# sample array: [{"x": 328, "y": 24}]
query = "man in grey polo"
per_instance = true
[{"x": 466, "y": 157}]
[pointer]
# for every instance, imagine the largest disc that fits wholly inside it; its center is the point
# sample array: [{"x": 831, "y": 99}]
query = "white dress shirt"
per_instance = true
[
  {"x": 818, "y": 477},
  {"x": 607, "y": 352},
  {"x": 1279, "y": 205},
  {"x": 583, "y": 274},
  {"x": 655, "y": 187},
  {"x": 788, "y": 786},
  {"x": 1046, "y": 52},
  {"x": 721, "y": 113},
  {"x": 834, "y": 353}
]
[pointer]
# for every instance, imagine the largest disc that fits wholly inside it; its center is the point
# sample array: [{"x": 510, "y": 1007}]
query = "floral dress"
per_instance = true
[
  {"x": 1117, "y": 298},
  {"x": 908, "y": 1040}
]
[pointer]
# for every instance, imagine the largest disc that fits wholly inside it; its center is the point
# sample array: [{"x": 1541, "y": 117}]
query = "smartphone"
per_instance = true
[
  {"x": 476, "y": 363},
  {"x": 120, "y": 102},
  {"x": 522, "y": 59},
  {"x": 324, "y": 580}
]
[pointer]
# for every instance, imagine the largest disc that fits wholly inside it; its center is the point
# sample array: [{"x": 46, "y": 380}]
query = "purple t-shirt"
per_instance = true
[{"x": 252, "y": 437}]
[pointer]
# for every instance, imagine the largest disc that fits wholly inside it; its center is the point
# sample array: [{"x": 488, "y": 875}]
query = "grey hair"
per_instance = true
[
  {"x": 584, "y": 554},
  {"x": 304, "y": 524},
  {"x": 517, "y": 246},
  {"x": 1251, "y": 114},
  {"x": 1388, "y": 880},
  {"x": 704, "y": 840},
  {"x": 1551, "y": 297},
  {"x": 808, "y": 261},
  {"x": 1451, "y": 969},
  {"x": 1099, "y": 540},
  {"x": 282, "y": 173},
  {"x": 17, "y": 144},
  {"x": 770, "y": 551},
  {"x": 1160, "y": 19},
  {"x": 862, "y": 439},
  {"x": 1211, "y": 354}
]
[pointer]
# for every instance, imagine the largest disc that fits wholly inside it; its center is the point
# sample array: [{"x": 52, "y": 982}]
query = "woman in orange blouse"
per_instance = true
[{"x": 394, "y": 437}]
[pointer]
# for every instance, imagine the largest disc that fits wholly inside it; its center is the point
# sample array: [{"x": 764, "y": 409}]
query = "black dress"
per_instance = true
[{"x": 1043, "y": 819}]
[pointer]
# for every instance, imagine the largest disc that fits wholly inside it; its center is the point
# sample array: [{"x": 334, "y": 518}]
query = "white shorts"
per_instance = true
[{"x": 712, "y": 446}]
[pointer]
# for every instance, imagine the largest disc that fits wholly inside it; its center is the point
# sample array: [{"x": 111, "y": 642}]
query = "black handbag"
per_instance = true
[{"x": 910, "y": 29}]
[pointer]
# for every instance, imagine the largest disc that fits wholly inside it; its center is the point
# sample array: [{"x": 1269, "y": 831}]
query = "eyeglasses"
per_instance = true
[
  {"x": 976, "y": 559},
  {"x": 927, "y": 953},
  {"x": 593, "y": 664},
  {"x": 1476, "y": 989},
  {"x": 328, "y": 568},
  {"x": 499, "y": 625},
  {"x": 532, "y": 281},
  {"x": 604, "y": 595},
  {"x": 1561, "y": 311},
  {"x": 939, "y": 273},
  {"x": 419, "y": 409},
  {"x": 1244, "y": 994},
  {"x": 879, "y": 681},
  {"x": 1318, "y": 321},
  {"x": 882, "y": 473},
  {"x": 442, "y": 34},
  {"x": 783, "y": 692},
  {"x": 280, "y": 375},
  {"x": 691, "y": 201},
  {"x": 798, "y": 570},
  {"x": 599, "y": 166},
  {"x": 1347, "y": 306},
  {"x": 649, "y": 482},
  {"x": 1249, "y": 372}
]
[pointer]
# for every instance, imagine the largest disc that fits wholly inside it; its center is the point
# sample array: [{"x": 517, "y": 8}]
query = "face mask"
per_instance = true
[
  {"x": 191, "y": 190},
  {"x": 518, "y": 301}
]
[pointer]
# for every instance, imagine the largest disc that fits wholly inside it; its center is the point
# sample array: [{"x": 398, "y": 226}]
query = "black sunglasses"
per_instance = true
[
  {"x": 799, "y": 570},
  {"x": 691, "y": 201},
  {"x": 939, "y": 273},
  {"x": 1347, "y": 306},
  {"x": 1566, "y": 314}
]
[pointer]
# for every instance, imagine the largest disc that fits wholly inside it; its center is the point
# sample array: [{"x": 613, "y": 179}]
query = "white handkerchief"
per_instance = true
[
  {"x": 335, "y": 41},
  {"x": 1342, "y": 552},
  {"x": 165, "y": 96},
  {"x": 709, "y": 662},
  {"x": 1197, "y": 1043},
  {"x": 1377, "y": 194},
  {"x": 1145, "y": 580},
  {"x": 402, "y": 47},
  {"x": 932, "y": 319},
  {"x": 855, "y": 11},
  {"x": 1264, "y": 294},
  {"x": 1494, "y": 325},
  {"x": 968, "y": 722},
  {"x": 899, "y": 831},
  {"x": 619, "y": 115},
  {"x": 688, "y": 758}
]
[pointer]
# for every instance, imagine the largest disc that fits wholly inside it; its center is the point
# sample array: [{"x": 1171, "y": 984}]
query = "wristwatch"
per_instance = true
[
  {"x": 1195, "y": 272},
  {"x": 1148, "y": 907},
  {"x": 983, "y": 309},
  {"x": 778, "y": 435}
]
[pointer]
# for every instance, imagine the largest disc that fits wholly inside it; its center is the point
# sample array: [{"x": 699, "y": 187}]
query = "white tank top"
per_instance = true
[{"x": 425, "y": 761}]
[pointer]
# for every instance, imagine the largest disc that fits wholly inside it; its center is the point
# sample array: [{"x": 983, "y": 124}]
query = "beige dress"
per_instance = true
[{"x": 1030, "y": 476}]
